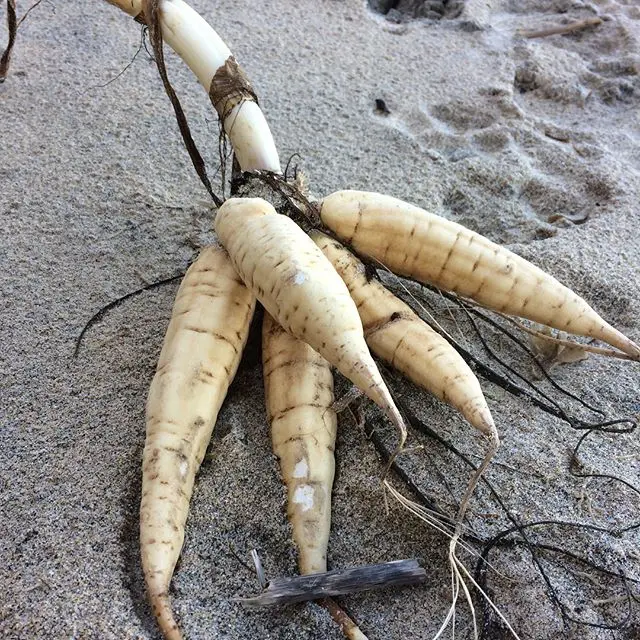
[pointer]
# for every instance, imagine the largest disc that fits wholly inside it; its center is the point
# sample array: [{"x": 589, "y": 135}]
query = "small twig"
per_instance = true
[
  {"x": 12, "y": 27},
  {"x": 262, "y": 580},
  {"x": 562, "y": 29},
  {"x": 285, "y": 591},
  {"x": 612, "y": 600}
]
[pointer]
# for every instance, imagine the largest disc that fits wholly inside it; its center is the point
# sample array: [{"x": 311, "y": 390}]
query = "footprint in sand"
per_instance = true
[
  {"x": 601, "y": 61},
  {"x": 529, "y": 169},
  {"x": 515, "y": 149}
]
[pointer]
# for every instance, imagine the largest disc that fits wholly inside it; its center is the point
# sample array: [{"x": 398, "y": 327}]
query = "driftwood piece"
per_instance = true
[
  {"x": 290, "y": 590},
  {"x": 562, "y": 29}
]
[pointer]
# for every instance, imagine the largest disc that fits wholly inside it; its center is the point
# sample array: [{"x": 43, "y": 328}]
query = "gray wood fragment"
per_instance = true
[{"x": 290, "y": 590}]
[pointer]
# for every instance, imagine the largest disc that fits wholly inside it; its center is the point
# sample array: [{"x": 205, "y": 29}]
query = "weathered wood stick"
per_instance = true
[
  {"x": 562, "y": 29},
  {"x": 285, "y": 591}
]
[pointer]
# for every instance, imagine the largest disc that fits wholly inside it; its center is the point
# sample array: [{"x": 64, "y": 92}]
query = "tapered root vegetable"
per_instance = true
[
  {"x": 204, "y": 52},
  {"x": 201, "y": 352},
  {"x": 412, "y": 242},
  {"x": 298, "y": 387},
  {"x": 404, "y": 341},
  {"x": 298, "y": 286}
]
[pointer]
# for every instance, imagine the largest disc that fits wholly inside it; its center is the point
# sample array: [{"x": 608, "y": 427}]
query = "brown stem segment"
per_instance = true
[
  {"x": 348, "y": 627},
  {"x": 12, "y": 25}
]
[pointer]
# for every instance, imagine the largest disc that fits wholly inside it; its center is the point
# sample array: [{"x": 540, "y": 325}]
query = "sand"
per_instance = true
[{"x": 533, "y": 142}]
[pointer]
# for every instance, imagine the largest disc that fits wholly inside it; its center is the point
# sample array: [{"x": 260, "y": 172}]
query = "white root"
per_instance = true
[
  {"x": 301, "y": 290},
  {"x": 413, "y": 242},
  {"x": 205, "y": 53}
]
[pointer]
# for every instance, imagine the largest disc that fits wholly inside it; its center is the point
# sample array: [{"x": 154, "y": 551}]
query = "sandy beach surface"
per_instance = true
[{"x": 534, "y": 142}]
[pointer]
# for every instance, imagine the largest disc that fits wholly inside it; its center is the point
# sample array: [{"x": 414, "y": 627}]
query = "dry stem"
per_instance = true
[{"x": 562, "y": 29}]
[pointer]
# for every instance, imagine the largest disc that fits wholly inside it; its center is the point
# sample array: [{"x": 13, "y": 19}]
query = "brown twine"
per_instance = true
[{"x": 230, "y": 86}]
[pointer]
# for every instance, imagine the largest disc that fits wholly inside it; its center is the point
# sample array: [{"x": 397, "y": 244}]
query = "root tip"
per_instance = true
[
  {"x": 617, "y": 339},
  {"x": 161, "y": 605},
  {"x": 480, "y": 417}
]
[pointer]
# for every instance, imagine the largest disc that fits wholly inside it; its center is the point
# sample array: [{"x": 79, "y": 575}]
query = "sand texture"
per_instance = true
[{"x": 534, "y": 142}]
